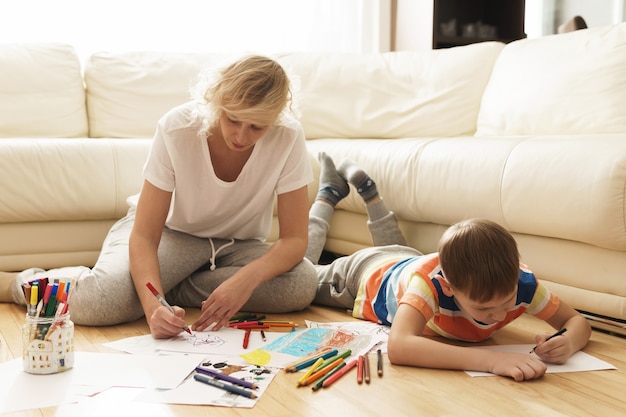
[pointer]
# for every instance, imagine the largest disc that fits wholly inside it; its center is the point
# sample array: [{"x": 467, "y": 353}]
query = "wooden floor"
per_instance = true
[{"x": 402, "y": 391}]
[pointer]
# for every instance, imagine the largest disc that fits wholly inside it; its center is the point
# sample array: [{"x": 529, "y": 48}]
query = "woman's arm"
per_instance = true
[
  {"x": 288, "y": 250},
  {"x": 408, "y": 346},
  {"x": 152, "y": 210}
]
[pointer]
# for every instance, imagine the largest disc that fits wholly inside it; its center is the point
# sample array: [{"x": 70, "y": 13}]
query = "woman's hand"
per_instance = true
[
  {"x": 164, "y": 324},
  {"x": 224, "y": 302}
]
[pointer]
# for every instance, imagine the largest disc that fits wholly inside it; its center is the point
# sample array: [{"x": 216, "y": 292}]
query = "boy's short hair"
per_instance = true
[{"x": 480, "y": 259}]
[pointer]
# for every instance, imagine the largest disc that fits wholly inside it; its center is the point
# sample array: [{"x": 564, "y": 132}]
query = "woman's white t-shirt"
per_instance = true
[{"x": 205, "y": 206}]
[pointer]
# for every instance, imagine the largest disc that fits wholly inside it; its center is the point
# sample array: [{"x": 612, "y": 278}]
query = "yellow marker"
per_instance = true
[{"x": 308, "y": 373}]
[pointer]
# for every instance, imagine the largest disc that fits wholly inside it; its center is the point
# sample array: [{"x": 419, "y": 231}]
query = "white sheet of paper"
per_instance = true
[
  {"x": 304, "y": 342},
  {"x": 144, "y": 344},
  {"x": 226, "y": 341},
  {"x": 20, "y": 390},
  {"x": 358, "y": 327},
  {"x": 198, "y": 393},
  {"x": 578, "y": 362}
]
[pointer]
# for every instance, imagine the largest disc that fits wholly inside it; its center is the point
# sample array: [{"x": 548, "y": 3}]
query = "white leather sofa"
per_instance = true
[{"x": 531, "y": 134}]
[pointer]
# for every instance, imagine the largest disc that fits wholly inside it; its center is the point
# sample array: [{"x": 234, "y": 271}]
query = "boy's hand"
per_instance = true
[
  {"x": 518, "y": 366},
  {"x": 556, "y": 350}
]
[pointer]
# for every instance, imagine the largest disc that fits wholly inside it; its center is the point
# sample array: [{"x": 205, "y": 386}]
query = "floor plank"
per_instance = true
[{"x": 402, "y": 391}]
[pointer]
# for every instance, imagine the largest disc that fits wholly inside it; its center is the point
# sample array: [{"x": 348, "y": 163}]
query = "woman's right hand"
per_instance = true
[{"x": 163, "y": 324}]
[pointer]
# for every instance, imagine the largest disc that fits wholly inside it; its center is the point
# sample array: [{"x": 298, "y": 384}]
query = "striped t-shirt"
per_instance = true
[{"x": 416, "y": 281}]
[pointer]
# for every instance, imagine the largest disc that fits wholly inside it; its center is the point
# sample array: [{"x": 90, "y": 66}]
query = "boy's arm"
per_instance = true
[
  {"x": 559, "y": 349},
  {"x": 408, "y": 346}
]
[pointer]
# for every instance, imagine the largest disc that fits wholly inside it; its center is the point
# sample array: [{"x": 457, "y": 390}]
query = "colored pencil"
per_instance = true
[
  {"x": 308, "y": 373},
  {"x": 321, "y": 372},
  {"x": 227, "y": 378},
  {"x": 309, "y": 360},
  {"x": 341, "y": 372},
  {"x": 225, "y": 387},
  {"x": 319, "y": 384}
]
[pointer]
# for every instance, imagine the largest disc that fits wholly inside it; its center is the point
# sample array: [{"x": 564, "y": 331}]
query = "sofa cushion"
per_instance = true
[
  {"x": 127, "y": 93},
  {"x": 393, "y": 94},
  {"x": 41, "y": 91},
  {"x": 559, "y": 186},
  {"x": 56, "y": 180},
  {"x": 572, "y": 83}
]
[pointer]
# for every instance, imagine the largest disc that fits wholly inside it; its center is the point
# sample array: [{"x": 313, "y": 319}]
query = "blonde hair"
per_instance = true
[
  {"x": 480, "y": 259},
  {"x": 254, "y": 88}
]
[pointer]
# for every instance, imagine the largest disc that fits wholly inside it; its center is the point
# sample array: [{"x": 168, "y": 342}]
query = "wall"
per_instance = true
[{"x": 414, "y": 26}]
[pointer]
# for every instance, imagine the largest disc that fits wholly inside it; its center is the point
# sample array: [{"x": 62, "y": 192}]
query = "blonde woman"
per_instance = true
[{"x": 197, "y": 230}]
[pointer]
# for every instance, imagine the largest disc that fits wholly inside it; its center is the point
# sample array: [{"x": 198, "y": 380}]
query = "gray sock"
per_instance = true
[
  {"x": 333, "y": 188},
  {"x": 377, "y": 210},
  {"x": 319, "y": 218},
  {"x": 355, "y": 175}
]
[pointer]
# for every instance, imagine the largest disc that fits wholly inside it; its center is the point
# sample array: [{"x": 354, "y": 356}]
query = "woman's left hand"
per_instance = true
[{"x": 223, "y": 303}]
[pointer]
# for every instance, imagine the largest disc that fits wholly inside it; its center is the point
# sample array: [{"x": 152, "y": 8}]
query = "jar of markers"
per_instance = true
[{"x": 48, "y": 344}]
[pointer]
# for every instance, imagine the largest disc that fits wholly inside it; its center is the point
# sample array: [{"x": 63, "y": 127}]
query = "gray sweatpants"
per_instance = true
[
  {"x": 105, "y": 294},
  {"x": 339, "y": 281}
]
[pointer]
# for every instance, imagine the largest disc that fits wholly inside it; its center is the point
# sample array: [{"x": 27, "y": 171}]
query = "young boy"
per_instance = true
[{"x": 473, "y": 286}]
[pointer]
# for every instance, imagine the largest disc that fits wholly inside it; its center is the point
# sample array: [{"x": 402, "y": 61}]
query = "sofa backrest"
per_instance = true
[
  {"x": 128, "y": 92},
  {"x": 573, "y": 83},
  {"x": 41, "y": 91},
  {"x": 399, "y": 94}
]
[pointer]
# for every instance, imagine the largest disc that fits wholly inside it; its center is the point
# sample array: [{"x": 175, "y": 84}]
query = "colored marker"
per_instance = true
[
  {"x": 164, "y": 303},
  {"x": 246, "y": 338}
]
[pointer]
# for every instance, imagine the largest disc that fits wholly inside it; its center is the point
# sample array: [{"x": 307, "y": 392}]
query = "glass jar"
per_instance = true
[{"x": 48, "y": 344}]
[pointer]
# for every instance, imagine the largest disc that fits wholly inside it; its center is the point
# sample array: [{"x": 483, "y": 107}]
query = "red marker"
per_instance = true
[
  {"x": 246, "y": 339},
  {"x": 162, "y": 301}
]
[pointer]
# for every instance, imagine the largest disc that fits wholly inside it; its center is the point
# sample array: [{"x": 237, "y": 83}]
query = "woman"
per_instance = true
[{"x": 197, "y": 229}]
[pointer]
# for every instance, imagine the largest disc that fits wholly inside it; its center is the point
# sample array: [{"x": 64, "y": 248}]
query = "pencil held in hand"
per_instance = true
[
  {"x": 559, "y": 333},
  {"x": 164, "y": 303}
]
